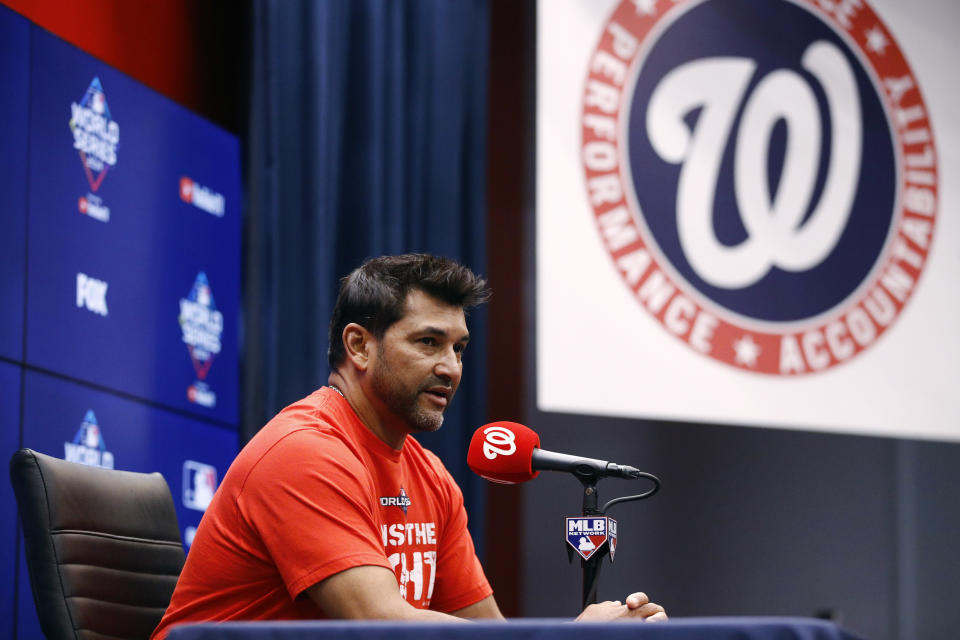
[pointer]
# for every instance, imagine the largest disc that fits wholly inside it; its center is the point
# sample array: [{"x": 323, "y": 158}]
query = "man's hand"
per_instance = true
[{"x": 637, "y": 607}]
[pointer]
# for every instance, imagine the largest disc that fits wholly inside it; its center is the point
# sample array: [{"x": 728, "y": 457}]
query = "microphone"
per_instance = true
[
  {"x": 510, "y": 453},
  {"x": 502, "y": 452}
]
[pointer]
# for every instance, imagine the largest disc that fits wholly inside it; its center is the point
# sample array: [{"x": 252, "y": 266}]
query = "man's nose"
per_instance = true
[{"x": 449, "y": 366}]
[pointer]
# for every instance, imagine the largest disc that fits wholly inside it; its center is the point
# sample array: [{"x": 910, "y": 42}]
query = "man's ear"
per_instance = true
[{"x": 358, "y": 343}]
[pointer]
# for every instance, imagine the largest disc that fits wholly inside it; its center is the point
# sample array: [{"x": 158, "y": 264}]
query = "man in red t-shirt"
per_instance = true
[{"x": 330, "y": 511}]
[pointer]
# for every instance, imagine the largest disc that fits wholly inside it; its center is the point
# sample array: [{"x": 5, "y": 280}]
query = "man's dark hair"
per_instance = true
[{"x": 375, "y": 293}]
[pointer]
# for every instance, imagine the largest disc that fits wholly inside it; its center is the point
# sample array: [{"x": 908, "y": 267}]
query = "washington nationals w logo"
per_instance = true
[
  {"x": 777, "y": 234},
  {"x": 765, "y": 184},
  {"x": 498, "y": 441}
]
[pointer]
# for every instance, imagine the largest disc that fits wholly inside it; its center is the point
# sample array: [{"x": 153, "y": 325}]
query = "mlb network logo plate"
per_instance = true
[{"x": 588, "y": 534}]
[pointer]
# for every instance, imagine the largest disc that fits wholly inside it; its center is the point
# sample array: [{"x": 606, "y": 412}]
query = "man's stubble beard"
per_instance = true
[{"x": 402, "y": 401}]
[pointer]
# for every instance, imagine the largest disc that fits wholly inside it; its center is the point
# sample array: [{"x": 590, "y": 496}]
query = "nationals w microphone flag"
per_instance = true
[
  {"x": 502, "y": 452},
  {"x": 749, "y": 194}
]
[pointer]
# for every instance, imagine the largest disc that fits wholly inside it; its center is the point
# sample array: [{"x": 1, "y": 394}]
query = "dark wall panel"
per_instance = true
[
  {"x": 14, "y": 77},
  {"x": 9, "y": 441},
  {"x": 929, "y": 531}
]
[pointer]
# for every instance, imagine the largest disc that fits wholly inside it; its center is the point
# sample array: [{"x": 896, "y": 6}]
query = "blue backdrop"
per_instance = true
[
  {"x": 151, "y": 249},
  {"x": 367, "y": 137},
  {"x": 119, "y": 332}
]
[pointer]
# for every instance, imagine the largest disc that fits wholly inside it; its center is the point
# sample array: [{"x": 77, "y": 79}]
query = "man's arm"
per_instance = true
[
  {"x": 486, "y": 609},
  {"x": 637, "y": 606},
  {"x": 369, "y": 592}
]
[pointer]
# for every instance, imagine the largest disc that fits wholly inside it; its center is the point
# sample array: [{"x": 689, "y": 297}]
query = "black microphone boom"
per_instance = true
[{"x": 586, "y": 468}]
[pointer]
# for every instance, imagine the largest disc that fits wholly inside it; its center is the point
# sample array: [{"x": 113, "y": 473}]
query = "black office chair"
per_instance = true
[{"x": 103, "y": 547}]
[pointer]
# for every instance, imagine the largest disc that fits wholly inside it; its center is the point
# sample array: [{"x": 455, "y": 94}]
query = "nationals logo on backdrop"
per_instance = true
[{"x": 762, "y": 173}]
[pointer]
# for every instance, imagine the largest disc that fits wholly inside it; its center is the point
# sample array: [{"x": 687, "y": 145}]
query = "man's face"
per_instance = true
[{"x": 418, "y": 361}]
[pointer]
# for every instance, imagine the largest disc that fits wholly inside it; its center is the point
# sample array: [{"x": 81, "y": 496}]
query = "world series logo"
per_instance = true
[
  {"x": 766, "y": 183},
  {"x": 96, "y": 137},
  {"x": 202, "y": 327},
  {"x": 88, "y": 446}
]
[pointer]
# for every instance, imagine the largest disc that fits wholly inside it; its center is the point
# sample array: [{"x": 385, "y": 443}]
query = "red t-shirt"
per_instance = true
[{"x": 314, "y": 493}]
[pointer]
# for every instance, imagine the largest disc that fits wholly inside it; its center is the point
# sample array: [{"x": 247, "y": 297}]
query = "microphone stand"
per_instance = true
[{"x": 591, "y": 568}]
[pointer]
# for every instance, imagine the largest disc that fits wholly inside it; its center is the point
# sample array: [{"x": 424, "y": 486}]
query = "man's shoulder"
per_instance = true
[
  {"x": 419, "y": 454},
  {"x": 319, "y": 406},
  {"x": 319, "y": 414},
  {"x": 304, "y": 433},
  {"x": 427, "y": 460}
]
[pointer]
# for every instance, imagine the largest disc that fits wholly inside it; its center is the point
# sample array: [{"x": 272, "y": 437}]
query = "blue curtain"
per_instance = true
[{"x": 367, "y": 137}]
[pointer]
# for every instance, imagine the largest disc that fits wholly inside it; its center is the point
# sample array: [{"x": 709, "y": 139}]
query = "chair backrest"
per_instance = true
[{"x": 103, "y": 547}]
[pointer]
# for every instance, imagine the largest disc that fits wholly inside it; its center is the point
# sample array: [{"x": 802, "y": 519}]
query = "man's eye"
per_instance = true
[
  {"x": 458, "y": 348},
  {"x": 429, "y": 341}
]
